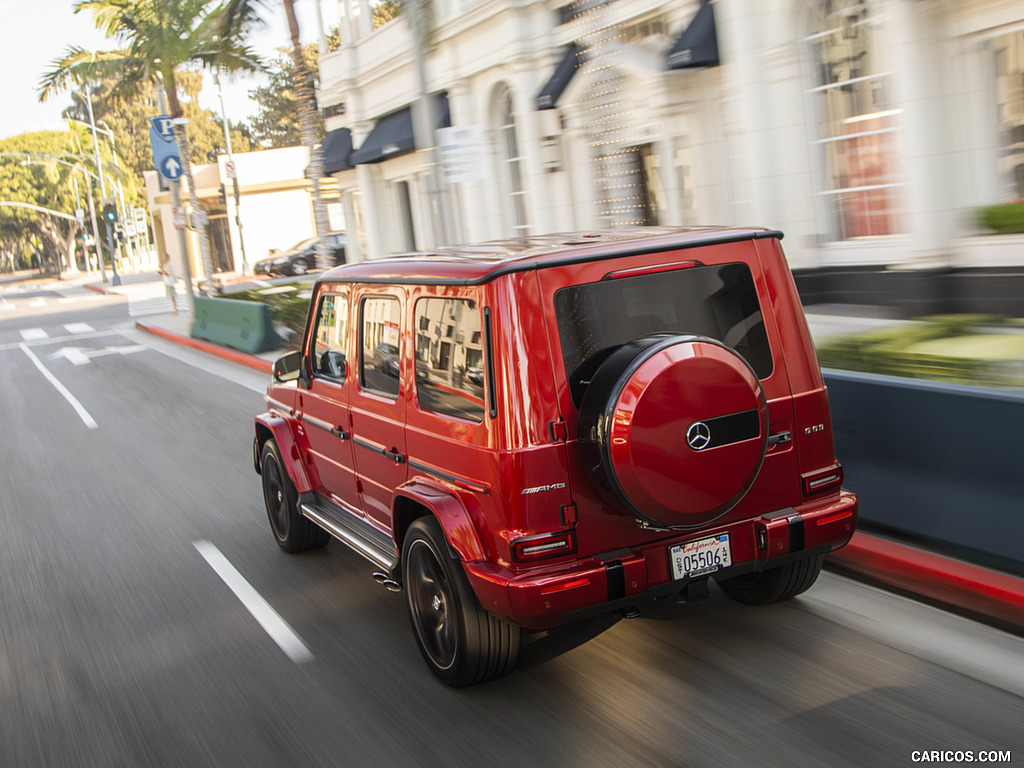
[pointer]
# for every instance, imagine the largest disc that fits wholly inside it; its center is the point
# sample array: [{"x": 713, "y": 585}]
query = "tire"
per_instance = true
[
  {"x": 293, "y": 532},
  {"x": 299, "y": 267},
  {"x": 461, "y": 642},
  {"x": 775, "y": 584}
]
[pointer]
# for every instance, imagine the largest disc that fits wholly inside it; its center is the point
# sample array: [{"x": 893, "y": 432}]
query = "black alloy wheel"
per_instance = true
[
  {"x": 292, "y": 531},
  {"x": 461, "y": 642}
]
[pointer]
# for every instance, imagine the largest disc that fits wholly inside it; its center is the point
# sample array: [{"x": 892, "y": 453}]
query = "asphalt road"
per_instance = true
[{"x": 121, "y": 645}]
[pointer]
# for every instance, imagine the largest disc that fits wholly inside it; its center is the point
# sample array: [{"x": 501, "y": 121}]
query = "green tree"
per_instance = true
[
  {"x": 128, "y": 119},
  {"x": 276, "y": 124},
  {"x": 47, "y": 170},
  {"x": 159, "y": 39}
]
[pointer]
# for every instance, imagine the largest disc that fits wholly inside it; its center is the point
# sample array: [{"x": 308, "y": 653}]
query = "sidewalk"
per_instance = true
[{"x": 991, "y": 596}]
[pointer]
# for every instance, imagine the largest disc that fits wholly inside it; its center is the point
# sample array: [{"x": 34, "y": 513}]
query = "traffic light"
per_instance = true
[{"x": 110, "y": 212}]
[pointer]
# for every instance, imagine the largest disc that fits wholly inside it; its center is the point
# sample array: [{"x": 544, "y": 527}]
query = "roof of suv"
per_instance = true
[{"x": 473, "y": 264}]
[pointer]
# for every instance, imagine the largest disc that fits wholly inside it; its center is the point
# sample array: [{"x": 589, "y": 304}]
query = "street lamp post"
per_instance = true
[
  {"x": 234, "y": 174},
  {"x": 116, "y": 279}
]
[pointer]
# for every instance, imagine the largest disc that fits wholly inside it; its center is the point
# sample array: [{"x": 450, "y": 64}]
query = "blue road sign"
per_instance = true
[
  {"x": 170, "y": 167},
  {"x": 166, "y": 157}
]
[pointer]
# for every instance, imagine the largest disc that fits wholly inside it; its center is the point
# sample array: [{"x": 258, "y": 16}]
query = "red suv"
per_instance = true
[{"x": 524, "y": 432}]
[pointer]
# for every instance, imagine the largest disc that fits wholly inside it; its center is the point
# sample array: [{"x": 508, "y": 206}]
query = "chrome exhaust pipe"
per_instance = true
[{"x": 387, "y": 582}]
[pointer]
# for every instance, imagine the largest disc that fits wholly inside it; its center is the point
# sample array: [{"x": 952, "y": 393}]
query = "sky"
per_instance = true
[{"x": 33, "y": 33}]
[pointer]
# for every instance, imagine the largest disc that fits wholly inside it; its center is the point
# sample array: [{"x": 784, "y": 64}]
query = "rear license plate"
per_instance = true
[{"x": 696, "y": 558}]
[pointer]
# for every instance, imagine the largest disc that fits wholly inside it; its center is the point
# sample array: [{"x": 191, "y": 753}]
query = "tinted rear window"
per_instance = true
[{"x": 716, "y": 301}]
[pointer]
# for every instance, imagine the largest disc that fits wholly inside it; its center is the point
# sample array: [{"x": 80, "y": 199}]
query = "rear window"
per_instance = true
[{"x": 718, "y": 301}]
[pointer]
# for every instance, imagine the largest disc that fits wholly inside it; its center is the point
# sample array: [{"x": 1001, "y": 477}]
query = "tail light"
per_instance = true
[
  {"x": 822, "y": 480},
  {"x": 529, "y": 549}
]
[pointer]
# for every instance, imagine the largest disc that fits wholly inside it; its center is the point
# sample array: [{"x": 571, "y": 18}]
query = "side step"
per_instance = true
[{"x": 369, "y": 542}]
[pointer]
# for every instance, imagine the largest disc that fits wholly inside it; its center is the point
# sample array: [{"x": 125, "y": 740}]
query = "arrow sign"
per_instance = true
[
  {"x": 82, "y": 356},
  {"x": 161, "y": 138},
  {"x": 170, "y": 167}
]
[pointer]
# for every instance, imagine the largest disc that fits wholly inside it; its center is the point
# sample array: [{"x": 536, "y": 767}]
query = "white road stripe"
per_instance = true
[
  {"x": 34, "y": 334},
  {"x": 66, "y": 300},
  {"x": 79, "y": 328},
  {"x": 269, "y": 619},
  {"x": 79, "y": 409},
  {"x": 37, "y": 303}
]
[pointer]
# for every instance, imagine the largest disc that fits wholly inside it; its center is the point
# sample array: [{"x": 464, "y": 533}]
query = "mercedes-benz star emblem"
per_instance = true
[{"x": 698, "y": 436}]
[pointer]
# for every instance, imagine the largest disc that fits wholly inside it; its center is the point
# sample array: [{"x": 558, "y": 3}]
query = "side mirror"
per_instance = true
[{"x": 288, "y": 368}]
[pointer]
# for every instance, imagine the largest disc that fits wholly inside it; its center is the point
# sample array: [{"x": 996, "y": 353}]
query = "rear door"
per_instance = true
[
  {"x": 324, "y": 409},
  {"x": 379, "y": 396}
]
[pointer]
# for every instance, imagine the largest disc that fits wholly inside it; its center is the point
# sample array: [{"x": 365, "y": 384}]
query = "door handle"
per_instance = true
[
  {"x": 395, "y": 456},
  {"x": 779, "y": 438},
  {"x": 340, "y": 433}
]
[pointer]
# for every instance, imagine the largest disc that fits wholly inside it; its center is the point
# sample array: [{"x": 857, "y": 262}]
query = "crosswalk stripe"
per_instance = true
[
  {"x": 157, "y": 306},
  {"x": 66, "y": 300},
  {"x": 79, "y": 328},
  {"x": 36, "y": 303},
  {"x": 34, "y": 334}
]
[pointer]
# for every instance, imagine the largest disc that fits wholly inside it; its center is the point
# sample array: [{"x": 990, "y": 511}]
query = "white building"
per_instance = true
[{"x": 869, "y": 131}]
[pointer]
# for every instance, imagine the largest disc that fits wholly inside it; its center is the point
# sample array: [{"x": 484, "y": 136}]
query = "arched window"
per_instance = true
[
  {"x": 511, "y": 163},
  {"x": 858, "y": 124}
]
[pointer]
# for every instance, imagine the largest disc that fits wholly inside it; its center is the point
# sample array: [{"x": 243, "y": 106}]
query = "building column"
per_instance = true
[
  {"x": 529, "y": 137},
  {"x": 472, "y": 194},
  {"x": 918, "y": 58},
  {"x": 371, "y": 218}
]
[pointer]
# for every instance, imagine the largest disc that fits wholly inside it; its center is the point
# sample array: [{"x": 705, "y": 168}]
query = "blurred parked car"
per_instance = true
[{"x": 301, "y": 257}]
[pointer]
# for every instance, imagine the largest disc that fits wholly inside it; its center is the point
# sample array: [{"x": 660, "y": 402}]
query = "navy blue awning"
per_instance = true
[
  {"x": 393, "y": 134},
  {"x": 550, "y": 93},
  {"x": 337, "y": 151},
  {"x": 698, "y": 45}
]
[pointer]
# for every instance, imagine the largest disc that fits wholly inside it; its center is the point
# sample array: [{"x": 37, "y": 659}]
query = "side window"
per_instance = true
[
  {"x": 449, "y": 358},
  {"x": 328, "y": 357},
  {"x": 378, "y": 354}
]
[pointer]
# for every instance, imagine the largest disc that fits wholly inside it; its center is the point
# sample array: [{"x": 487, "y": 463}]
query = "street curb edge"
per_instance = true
[
  {"x": 970, "y": 588},
  {"x": 231, "y": 355}
]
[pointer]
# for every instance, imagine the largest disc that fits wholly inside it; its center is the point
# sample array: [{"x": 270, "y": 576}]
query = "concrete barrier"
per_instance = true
[
  {"x": 940, "y": 462},
  {"x": 242, "y": 325}
]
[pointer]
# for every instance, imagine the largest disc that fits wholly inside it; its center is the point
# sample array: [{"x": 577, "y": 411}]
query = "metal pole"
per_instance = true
[
  {"x": 234, "y": 180},
  {"x": 176, "y": 203},
  {"x": 103, "y": 190}
]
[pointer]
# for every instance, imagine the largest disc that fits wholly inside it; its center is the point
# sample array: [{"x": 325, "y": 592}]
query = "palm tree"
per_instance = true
[
  {"x": 157, "y": 37},
  {"x": 243, "y": 15}
]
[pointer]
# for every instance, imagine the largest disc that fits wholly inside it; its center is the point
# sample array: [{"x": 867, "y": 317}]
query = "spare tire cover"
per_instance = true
[{"x": 674, "y": 428}]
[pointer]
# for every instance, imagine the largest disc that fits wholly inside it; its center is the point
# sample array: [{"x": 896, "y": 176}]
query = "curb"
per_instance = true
[
  {"x": 979, "y": 592},
  {"x": 97, "y": 288},
  {"x": 231, "y": 355}
]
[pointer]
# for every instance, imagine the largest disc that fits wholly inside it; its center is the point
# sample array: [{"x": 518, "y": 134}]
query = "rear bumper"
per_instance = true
[{"x": 550, "y": 595}]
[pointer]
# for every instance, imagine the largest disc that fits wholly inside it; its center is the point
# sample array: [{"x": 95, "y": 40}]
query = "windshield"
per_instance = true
[{"x": 301, "y": 245}]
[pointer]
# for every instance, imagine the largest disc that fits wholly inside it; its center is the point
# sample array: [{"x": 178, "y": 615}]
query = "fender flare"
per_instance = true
[
  {"x": 270, "y": 425},
  {"x": 449, "y": 511}
]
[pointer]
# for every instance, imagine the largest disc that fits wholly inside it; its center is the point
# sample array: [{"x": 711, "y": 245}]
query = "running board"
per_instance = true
[{"x": 366, "y": 540}]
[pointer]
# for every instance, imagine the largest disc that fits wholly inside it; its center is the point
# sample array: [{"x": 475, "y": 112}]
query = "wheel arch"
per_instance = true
[
  {"x": 269, "y": 426},
  {"x": 418, "y": 498}
]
